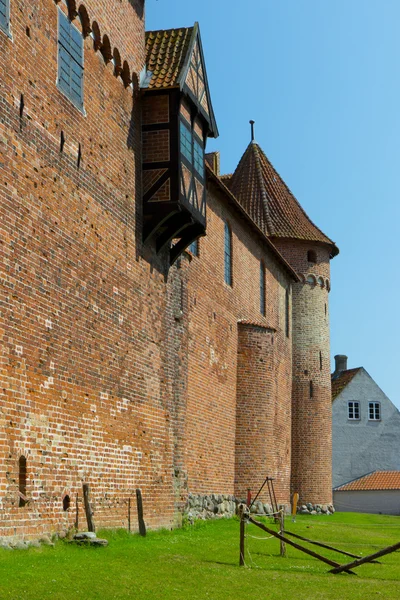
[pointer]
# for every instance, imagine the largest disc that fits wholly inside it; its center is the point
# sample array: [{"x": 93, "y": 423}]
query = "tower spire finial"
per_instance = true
[{"x": 252, "y": 129}]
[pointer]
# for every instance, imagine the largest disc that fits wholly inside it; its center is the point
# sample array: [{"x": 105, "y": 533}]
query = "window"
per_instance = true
[
  {"x": 262, "y": 288},
  {"x": 287, "y": 312},
  {"x": 194, "y": 247},
  {"x": 186, "y": 142},
  {"x": 374, "y": 411},
  {"x": 354, "y": 410},
  {"x": 70, "y": 60},
  {"x": 228, "y": 255},
  {"x": 311, "y": 256},
  {"x": 5, "y": 15},
  {"x": 311, "y": 389},
  {"x": 22, "y": 480},
  {"x": 198, "y": 157},
  {"x": 66, "y": 502}
]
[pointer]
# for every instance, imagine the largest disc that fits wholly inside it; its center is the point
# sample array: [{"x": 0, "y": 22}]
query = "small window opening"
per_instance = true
[
  {"x": 228, "y": 255},
  {"x": 66, "y": 502},
  {"x": 28, "y": 32},
  {"x": 287, "y": 312},
  {"x": 62, "y": 141},
  {"x": 78, "y": 164},
  {"x": 320, "y": 360},
  {"x": 311, "y": 389},
  {"x": 21, "y": 106},
  {"x": 325, "y": 309},
  {"x": 22, "y": 480},
  {"x": 262, "y": 289},
  {"x": 312, "y": 256}
]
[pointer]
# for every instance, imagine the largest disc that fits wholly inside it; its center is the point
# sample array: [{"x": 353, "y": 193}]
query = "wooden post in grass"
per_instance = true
[
  {"x": 139, "y": 501},
  {"x": 242, "y": 528},
  {"x": 76, "y": 513},
  {"x": 129, "y": 515},
  {"x": 88, "y": 508},
  {"x": 282, "y": 526}
]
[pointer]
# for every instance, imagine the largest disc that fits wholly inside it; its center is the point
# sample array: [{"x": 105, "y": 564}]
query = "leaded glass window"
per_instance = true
[
  {"x": 186, "y": 142},
  {"x": 198, "y": 157}
]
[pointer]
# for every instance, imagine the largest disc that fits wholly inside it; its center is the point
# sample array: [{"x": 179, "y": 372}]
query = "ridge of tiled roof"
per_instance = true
[
  {"x": 166, "y": 55},
  {"x": 270, "y": 203},
  {"x": 377, "y": 480},
  {"x": 339, "y": 382}
]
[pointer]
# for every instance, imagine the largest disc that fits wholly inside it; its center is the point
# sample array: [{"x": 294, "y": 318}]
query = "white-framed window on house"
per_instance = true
[
  {"x": 353, "y": 410},
  {"x": 374, "y": 411},
  {"x": 70, "y": 60},
  {"x": 5, "y": 16}
]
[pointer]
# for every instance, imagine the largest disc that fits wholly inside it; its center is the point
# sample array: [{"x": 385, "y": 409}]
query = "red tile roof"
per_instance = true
[
  {"x": 378, "y": 480},
  {"x": 166, "y": 54},
  {"x": 267, "y": 199},
  {"x": 340, "y": 381}
]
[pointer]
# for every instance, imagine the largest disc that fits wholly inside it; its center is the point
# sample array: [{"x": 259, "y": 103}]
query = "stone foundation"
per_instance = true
[{"x": 315, "y": 509}]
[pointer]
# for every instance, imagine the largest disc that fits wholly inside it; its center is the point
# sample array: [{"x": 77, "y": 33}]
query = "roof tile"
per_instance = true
[
  {"x": 267, "y": 199},
  {"x": 378, "y": 480},
  {"x": 339, "y": 382},
  {"x": 166, "y": 52}
]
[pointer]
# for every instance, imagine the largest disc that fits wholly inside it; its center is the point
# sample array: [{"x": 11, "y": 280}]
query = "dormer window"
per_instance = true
[
  {"x": 186, "y": 141},
  {"x": 198, "y": 157}
]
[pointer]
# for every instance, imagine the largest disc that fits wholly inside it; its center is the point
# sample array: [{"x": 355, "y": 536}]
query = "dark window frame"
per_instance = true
[
  {"x": 22, "y": 480},
  {"x": 228, "y": 262},
  {"x": 353, "y": 410},
  {"x": 70, "y": 59},
  {"x": 374, "y": 411}
]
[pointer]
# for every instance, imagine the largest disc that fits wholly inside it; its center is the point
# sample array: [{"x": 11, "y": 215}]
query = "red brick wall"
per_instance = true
[
  {"x": 312, "y": 416},
  {"x": 83, "y": 316},
  {"x": 213, "y": 398}
]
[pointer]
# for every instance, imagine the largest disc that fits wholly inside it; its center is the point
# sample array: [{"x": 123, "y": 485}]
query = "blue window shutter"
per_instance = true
[
  {"x": 5, "y": 14},
  {"x": 70, "y": 59}
]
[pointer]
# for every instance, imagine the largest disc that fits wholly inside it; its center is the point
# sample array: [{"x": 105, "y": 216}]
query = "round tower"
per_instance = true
[
  {"x": 272, "y": 206},
  {"x": 311, "y": 385}
]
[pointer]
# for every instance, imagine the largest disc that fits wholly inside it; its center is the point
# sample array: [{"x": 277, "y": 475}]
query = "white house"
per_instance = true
[{"x": 365, "y": 426}]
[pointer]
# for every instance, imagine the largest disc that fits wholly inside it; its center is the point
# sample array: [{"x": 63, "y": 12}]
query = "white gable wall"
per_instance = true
[{"x": 359, "y": 447}]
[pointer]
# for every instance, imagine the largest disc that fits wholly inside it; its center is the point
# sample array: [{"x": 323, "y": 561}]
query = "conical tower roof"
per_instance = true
[{"x": 269, "y": 202}]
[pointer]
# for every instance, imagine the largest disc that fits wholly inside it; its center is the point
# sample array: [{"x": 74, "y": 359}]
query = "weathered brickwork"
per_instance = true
[{"x": 118, "y": 370}]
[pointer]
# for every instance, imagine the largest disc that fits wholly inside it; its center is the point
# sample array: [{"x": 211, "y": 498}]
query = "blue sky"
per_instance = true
[{"x": 322, "y": 81}]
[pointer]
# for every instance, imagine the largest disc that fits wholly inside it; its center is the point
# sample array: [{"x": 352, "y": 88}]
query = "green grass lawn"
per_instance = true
[{"x": 201, "y": 562}]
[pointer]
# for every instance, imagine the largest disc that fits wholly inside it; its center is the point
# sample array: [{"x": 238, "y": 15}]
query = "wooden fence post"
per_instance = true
[
  {"x": 282, "y": 525},
  {"x": 129, "y": 515},
  {"x": 88, "y": 508},
  {"x": 242, "y": 530},
  {"x": 139, "y": 501}
]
